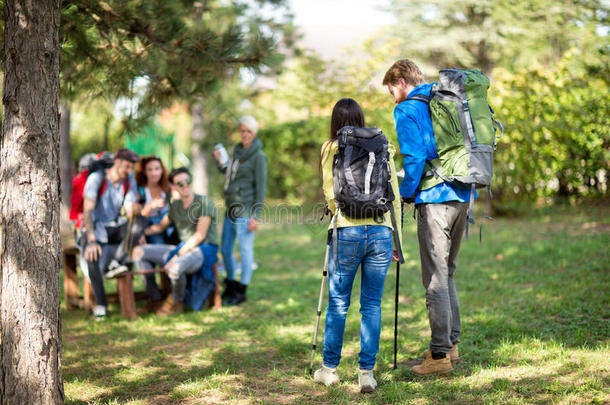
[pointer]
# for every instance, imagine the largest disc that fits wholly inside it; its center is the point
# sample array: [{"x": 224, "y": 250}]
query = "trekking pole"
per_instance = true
[
  {"x": 129, "y": 237},
  {"x": 396, "y": 294},
  {"x": 319, "y": 313}
]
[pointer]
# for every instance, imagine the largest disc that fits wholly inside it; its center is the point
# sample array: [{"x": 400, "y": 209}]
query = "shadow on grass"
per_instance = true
[{"x": 531, "y": 295}]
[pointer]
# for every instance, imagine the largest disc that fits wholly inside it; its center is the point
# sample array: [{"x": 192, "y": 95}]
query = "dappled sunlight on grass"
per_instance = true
[{"x": 534, "y": 303}]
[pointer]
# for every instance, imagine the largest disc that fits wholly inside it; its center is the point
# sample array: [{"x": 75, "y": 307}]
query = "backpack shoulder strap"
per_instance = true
[
  {"x": 126, "y": 186},
  {"x": 420, "y": 97},
  {"x": 103, "y": 184}
]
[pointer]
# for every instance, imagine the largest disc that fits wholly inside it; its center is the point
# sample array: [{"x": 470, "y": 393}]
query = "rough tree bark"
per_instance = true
[
  {"x": 200, "y": 173},
  {"x": 65, "y": 154},
  {"x": 29, "y": 205}
]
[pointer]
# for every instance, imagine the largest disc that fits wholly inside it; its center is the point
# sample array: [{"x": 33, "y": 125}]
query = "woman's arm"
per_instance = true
[{"x": 328, "y": 151}]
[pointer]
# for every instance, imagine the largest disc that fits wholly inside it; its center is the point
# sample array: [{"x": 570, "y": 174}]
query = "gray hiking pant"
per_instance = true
[
  {"x": 157, "y": 254},
  {"x": 439, "y": 229}
]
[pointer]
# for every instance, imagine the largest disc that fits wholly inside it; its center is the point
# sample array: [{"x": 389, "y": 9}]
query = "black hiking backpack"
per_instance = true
[
  {"x": 362, "y": 180},
  {"x": 361, "y": 173}
]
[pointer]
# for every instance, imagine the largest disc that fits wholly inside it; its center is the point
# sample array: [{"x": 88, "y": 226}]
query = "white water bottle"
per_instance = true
[{"x": 223, "y": 156}]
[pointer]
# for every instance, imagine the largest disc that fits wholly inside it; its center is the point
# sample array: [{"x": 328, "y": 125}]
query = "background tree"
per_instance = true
[
  {"x": 178, "y": 51},
  {"x": 29, "y": 204},
  {"x": 491, "y": 33}
]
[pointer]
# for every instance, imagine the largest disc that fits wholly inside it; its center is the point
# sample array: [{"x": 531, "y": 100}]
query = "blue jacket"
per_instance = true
[{"x": 417, "y": 144}]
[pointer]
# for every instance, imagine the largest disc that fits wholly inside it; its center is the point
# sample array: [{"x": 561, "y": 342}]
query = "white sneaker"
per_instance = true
[
  {"x": 366, "y": 381},
  {"x": 99, "y": 313},
  {"x": 326, "y": 376},
  {"x": 114, "y": 269}
]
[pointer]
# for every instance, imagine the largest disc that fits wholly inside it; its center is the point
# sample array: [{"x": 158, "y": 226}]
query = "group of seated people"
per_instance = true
[
  {"x": 179, "y": 234},
  {"x": 155, "y": 219}
]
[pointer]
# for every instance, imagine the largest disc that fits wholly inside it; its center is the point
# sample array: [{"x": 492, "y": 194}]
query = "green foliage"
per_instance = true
[
  {"x": 548, "y": 64},
  {"x": 94, "y": 128},
  {"x": 557, "y": 139},
  {"x": 293, "y": 152},
  {"x": 490, "y": 33},
  {"x": 182, "y": 48}
]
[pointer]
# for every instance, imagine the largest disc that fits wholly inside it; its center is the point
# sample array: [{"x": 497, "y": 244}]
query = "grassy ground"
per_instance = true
[{"x": 535, "y": 312}]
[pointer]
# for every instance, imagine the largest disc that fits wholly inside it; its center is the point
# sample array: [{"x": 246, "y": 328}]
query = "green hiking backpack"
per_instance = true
[{"x": 464, "y": 129}]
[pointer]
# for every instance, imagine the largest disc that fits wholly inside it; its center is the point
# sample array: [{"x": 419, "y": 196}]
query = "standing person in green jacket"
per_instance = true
[{"x": 244, "y": 191}]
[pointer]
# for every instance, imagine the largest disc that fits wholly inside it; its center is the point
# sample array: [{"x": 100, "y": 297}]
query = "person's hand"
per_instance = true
[
  {"x": 93, "y": 251},
  {"x": 252, "y": 225},
  {"x": 157, "y": 203},
  {"x": 169, "y": 265},
  {"x": 395, "y": 256},
  {"x": 216, "y": 154}
]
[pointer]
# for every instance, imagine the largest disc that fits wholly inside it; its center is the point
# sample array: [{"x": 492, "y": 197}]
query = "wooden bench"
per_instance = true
[{"x": 126, "y": 297}]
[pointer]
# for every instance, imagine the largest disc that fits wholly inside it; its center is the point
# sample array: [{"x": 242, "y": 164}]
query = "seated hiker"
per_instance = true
[
  {"x": 107, "y": 237},
  {"x": 154, "y": 196},
  {"x": 194, "y": 217}
]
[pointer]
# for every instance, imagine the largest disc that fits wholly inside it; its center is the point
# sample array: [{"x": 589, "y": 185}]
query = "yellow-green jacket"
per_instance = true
[{"x": 329, "y": 149}]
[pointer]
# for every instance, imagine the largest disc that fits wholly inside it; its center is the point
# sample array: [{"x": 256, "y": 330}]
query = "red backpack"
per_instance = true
[{"x": 101, "y": 162}]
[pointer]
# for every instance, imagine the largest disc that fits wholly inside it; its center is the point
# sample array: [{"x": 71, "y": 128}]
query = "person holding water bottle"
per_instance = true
[{"x": 244, "y": 192}]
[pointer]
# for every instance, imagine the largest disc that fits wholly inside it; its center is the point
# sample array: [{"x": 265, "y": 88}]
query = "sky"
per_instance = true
[{"x": 330, "y": 25}]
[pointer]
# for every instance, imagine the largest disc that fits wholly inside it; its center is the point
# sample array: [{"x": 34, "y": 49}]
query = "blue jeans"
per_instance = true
[
  {"x": 232, "y": 229},
  {"x": 370, "y": 246}
]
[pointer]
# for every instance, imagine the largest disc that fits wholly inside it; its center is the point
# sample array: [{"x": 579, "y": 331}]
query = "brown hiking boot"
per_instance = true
[
  {"x": 431, "y": 366},
  {"x": 153, "y": 306},
  {"x": 170, "y": 307},
  {"x": 454, "y": 354}
]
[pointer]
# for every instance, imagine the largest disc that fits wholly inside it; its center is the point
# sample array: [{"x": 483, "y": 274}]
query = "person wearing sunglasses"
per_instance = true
[
  {"x": 244, "y": 192},
  {"x": 194, "y": 217}
]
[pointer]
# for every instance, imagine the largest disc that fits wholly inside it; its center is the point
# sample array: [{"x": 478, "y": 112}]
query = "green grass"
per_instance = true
[{"x": 535, "y": 307}]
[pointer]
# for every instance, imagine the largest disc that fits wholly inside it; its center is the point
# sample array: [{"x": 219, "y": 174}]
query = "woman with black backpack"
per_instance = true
[{"x": 361, "y": 240}]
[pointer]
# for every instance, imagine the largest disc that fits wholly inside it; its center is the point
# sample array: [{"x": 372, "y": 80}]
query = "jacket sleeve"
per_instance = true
[
  {"x": 260, "y": 175},
  {"x": 412, "y": 148},
  {"x": 326, "y": 155}
]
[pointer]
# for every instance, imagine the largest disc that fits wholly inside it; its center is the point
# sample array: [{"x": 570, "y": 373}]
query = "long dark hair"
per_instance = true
[
  {"x": 141, "y": 173},
  {"x": 346, "y": 112}
]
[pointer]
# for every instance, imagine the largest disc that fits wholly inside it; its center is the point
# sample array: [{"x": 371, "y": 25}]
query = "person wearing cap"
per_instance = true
[
  {"x": 244, "y": 192},
  {"x": 107, "y": 235}
]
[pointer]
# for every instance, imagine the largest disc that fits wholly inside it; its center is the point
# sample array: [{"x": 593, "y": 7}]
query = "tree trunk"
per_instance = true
[
  {"x": 29, "y": 205},
  {"x": 65, "y": 154},
  {"x": 200, "y": 173}
]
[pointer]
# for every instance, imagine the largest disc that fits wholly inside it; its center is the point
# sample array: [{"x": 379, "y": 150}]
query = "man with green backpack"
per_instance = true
[{"x": 446, "y": 135}]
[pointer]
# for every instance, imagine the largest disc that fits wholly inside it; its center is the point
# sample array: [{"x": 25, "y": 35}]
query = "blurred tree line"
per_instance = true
[
  {"x": 195, "y": 67},
  {"x": 548, "y": 64}
]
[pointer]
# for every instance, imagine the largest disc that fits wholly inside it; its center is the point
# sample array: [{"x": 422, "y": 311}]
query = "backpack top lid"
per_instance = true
[
  {"x": 369, "y": 139},
  {"x": 459, "y": 82}
]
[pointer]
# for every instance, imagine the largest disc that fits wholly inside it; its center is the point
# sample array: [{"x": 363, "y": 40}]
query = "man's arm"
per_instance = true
[
  {"x": 158, "y": 228},
  {"x": 412, "y": 148},
  {"x": 203, "y": 224},
  {"x": 92, "y": 250}
]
